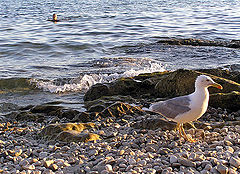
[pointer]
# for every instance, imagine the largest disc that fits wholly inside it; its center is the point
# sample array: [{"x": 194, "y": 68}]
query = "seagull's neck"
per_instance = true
[{"x": 201, "y": 93}]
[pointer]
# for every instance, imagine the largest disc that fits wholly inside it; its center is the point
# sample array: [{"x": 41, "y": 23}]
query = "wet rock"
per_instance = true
[
  {"x": 200, "y": 42},
  {"x": 122, "y": 86},
  {"x": 27, "y": 116},
  {"x": 181, "y": 82},
  {"x": 53, "y": 110},
  {"x": 14, "y": 85},
  {"x": 7, "y": 107},
  {"x": 231, "y": 75},
  {"x": 45, "y": 109}
]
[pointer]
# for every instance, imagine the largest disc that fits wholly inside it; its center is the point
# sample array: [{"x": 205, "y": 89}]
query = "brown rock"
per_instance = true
[{"x": 69, "y": 132}]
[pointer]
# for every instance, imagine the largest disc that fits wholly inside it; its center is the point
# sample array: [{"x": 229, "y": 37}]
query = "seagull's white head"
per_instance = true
[{"x": 206, "y": 81}]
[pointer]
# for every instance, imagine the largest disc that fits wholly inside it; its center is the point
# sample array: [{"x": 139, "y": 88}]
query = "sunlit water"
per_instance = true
[{"x": 100, "y": 40}]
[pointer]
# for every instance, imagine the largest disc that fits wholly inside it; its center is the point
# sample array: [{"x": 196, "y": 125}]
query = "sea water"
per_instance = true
[{"x": 99, "y": 41}]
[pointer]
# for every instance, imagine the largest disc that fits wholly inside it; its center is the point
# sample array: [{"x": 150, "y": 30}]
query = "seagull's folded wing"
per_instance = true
[{"x": 172, "y": 107}]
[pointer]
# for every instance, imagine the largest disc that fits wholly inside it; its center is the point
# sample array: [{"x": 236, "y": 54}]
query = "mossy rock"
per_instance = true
[
  {"x": 231, "y": 75},
  {"x": 182, "y": 82},
  {"x": 13, "y": 85},
  {"x": 161, "y": 85},
  {"x": 122, "y": 86},
  {"x": 69, "y": 132},
  {"x": 74, "y": 136}
]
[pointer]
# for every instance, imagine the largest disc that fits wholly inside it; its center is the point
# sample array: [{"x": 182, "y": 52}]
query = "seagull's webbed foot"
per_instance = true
[
  {"x": 187, "y": 138},
  {"x": 179, "y": 130}
]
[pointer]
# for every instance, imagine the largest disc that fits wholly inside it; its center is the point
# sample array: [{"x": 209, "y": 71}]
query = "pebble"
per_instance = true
[
  {"x": 48, "y": 163},
  {"x": 186, "y": 162},
  {"x": 108, "y": 168},
  {"x": 129, "y": 151},
  {"x": 173, "y": 159},
  {"x": 222, "y": 169},
  {"x": 235, "y": 162}
]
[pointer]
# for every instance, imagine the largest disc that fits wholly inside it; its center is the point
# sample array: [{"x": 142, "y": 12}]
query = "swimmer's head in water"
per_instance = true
[{"x": 54, "y": 17}]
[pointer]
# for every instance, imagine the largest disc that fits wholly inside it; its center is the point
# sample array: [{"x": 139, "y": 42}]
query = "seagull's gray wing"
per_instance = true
[{"x": 172, "y": 107}]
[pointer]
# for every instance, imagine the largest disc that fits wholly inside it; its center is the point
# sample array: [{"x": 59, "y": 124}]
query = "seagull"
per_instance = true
[{"x": 188, "y": 108}]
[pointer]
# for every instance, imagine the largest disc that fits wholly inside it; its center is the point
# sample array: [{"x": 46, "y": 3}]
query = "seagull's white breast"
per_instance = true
[{"x": 198, "y": 105}]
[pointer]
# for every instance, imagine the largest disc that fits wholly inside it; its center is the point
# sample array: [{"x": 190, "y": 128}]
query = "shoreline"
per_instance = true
[{"x": 113, "y": 136}]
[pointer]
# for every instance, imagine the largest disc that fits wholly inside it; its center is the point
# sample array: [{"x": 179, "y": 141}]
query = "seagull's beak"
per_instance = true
[{"x": 216, "y": 85}]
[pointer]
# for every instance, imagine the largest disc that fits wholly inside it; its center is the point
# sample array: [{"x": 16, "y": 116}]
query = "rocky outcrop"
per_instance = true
[
  {"x": 199, "y": 42},
  {"x": 167, "y": 85}
]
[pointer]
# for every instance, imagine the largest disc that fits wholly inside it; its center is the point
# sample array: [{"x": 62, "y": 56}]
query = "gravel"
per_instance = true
[{"x": 123, "y": 149}]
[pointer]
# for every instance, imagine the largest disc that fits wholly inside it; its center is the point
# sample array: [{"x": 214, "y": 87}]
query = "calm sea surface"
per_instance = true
[{"x": 101, "y": 40}]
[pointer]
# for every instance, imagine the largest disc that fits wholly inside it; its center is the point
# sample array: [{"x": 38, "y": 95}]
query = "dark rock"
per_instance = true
[
  {"x": 122, "y": 86},
  {"x": 229, "y": 101},
  {"x": 45, "y": 109},
  {"x": 96, "y": 91},
  {"x": 7, "y": 107},
  {"x": 182, "y": 82},
  {"x": 84, "y": 117},
  {"x": 26, "y": 116},
  {"x": 69, "y": 114},
  {"x": 199, "y": 42},
  {"x": 231, "y": 75},
  {"x": 58, "y": 111},
  {"x": 15, "y": 85}
]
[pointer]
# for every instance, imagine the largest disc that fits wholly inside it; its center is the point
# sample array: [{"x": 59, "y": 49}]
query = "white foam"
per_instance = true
[{"x": 83, "y": 83}]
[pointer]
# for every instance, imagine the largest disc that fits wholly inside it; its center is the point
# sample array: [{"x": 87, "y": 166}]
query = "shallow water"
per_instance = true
[{"x": 98, "y": 41}]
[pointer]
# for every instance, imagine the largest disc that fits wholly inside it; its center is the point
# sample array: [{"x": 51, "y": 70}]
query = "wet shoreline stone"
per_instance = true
[{"x": 199, "y": 42}]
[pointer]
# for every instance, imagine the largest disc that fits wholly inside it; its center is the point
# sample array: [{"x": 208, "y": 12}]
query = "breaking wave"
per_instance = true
[{"x": 85, "y": 81}]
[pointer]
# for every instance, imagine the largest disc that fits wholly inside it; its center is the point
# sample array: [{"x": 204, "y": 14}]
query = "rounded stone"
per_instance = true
[
  {"x": 222, "y": 169},
  {"x": 235, "y": 162},
  {"x": 173, "y": 159},
  {"x": 109, "y": 168}
]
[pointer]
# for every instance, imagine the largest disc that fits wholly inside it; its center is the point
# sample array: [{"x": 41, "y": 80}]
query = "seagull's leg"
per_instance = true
[
  {"x": 185, "y": 135},
  {"x": 179, "y": 130},
  {"x": 191, "y": 123}
]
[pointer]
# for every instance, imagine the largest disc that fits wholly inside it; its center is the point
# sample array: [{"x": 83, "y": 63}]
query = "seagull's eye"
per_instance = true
[{"x": 207, "y": 80}]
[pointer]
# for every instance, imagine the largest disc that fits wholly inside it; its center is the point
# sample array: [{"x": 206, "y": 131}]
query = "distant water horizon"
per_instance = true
[{"x": 99, "y": 41}]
